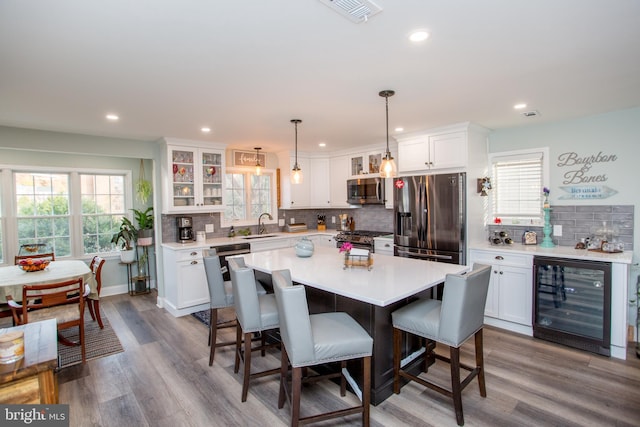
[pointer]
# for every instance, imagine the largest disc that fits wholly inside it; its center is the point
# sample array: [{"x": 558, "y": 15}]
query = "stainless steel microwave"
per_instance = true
[{"x": 366, "y": 191}]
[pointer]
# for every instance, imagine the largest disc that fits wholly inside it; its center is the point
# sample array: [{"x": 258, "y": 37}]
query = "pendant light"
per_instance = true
[
  {"x": 296, "y": 172},
  {"x": 258, "y": 165},
  {"x": 388, "y": 166}
]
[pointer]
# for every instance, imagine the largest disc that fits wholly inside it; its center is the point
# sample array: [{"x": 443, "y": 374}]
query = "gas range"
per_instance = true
[{"x": 359, "y": 238}]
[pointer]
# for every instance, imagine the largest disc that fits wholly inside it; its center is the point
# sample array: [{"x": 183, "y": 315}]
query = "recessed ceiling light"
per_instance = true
[
  {"x": 520, "y": 106},
  {"x": 205, "y": 129},
  {"x": 399, "y": 129},
  {"x": 112, "y": 117},
  {"x": 419, "y": 36},
  {"x": 322, "y": 144}
]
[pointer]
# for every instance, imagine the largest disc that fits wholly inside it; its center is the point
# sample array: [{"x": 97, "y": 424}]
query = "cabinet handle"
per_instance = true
[
  {"x": 193, "y": 253},
  {"x": 194, "y": 262},
  {"x": 501, "y": 272},
  {"x": 499, "y": 257},
  {"x": 495, "y": 271}
]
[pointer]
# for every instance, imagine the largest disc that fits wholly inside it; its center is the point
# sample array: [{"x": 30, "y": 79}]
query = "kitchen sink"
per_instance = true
[{"x": 257, "y": 236}]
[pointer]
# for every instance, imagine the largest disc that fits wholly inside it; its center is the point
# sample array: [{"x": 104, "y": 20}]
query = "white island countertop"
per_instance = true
[{"x": 390, "y": 279}]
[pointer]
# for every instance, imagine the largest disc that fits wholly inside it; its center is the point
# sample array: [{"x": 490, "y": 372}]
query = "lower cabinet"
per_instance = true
[
  {"x": 186, "y": 288},
  {"x": 510, "y": 297},
  {"x": 383, "y": 245}
]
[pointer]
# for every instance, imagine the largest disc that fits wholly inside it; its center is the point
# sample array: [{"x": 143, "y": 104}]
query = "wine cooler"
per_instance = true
[{"x": 572, "y": 303}]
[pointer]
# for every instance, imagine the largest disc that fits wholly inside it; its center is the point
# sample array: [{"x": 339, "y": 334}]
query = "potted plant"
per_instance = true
[
  {"x": 124, "y": 238},
  {"x": 145, "y": 226}
]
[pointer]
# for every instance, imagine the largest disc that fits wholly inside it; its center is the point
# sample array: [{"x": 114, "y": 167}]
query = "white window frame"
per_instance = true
[
  {"x": 522, "y": 220},
  {"x": 9, "y": 219},
  {"x": 274, "y": 200}
]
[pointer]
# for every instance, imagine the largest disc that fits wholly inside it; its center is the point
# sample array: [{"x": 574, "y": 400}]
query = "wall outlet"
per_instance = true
[
  {"x": 557, "y": 230},
  {"x": 333, "y": 220},
  {"x": 281, "y": 222},
  {"x": 208, "y": 228},
  {"x": 292, "y": 220}
]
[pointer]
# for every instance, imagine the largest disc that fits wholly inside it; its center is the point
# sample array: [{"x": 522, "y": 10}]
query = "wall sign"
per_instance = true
[
  {"x": 581, "y": 181},
  {"x": 248, "y": 158},
  {"x": 584, "y": 192}
]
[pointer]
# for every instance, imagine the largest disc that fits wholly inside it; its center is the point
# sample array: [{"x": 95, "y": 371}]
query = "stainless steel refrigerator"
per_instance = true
[{"x": 430, "y": 216}]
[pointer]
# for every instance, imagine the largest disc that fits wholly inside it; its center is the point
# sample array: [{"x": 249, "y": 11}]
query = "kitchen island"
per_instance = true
[{"x": 369, "y": 296}]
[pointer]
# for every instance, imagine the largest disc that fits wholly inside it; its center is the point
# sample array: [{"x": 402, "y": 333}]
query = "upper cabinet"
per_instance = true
[
  {"x": 313, "y": 191},
  {"x": 443, "y": 148},
  {"x": 192, "y": 176},
  {"x": 339, "y": 168},
  {"x": 365, "y": 163}
]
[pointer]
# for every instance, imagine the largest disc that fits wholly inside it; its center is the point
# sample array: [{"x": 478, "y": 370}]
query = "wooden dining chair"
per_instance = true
[
  {"x": 63, "y": 301},
  {"x": 50, "y": 255},
  {"x": 93, "y": 299}
]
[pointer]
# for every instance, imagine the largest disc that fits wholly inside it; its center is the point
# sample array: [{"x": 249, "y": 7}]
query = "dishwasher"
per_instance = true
[{"x": 225, "y": 251}]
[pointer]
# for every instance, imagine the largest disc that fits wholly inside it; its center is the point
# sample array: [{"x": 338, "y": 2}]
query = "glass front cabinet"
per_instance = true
[{"x": 193, "y": 180}]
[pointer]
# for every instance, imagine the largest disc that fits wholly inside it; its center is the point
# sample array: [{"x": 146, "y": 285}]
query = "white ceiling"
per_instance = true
[{"x": 245, "y": 68}]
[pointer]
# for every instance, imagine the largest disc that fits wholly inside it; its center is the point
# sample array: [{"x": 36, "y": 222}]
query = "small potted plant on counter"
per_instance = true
[{"x": 124, "y": 238}]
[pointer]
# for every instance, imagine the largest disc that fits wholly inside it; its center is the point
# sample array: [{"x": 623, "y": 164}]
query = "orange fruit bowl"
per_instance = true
[{"x": 30, "y": 264}]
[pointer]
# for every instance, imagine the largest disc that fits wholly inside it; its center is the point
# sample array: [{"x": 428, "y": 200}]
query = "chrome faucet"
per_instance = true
[{"x": 261, "y": 228}]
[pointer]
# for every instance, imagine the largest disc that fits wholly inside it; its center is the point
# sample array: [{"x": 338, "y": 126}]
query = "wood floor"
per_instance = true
[{"x": 163, "y": 379}]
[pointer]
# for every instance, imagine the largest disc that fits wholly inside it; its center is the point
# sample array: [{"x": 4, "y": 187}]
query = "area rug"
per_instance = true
[
  {"x": 224, "y": 315},
  {"x": 98, "y": 343}
]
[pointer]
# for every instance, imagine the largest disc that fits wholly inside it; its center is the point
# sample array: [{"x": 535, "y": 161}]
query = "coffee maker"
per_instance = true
[{"x": 185, "y": 229}]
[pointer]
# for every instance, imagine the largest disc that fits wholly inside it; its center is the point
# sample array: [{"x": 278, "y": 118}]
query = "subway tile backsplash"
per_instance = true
[{"x": 577, "y": 222}]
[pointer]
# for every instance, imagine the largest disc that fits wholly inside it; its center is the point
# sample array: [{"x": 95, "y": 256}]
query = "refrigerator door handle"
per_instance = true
[{"x": 419, "y": 255}]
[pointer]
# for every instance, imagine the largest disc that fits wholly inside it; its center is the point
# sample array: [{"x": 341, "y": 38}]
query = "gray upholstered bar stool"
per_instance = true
[
  {"x": 220, "y": 296},
  {"x": 311, "y": 340},
  {"x": 255, "y": 313},
  {"x": 451, "y": 321}
]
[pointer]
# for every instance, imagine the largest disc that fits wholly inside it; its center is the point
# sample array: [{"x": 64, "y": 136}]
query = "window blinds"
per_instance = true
[{"x": 517, "y": 186}]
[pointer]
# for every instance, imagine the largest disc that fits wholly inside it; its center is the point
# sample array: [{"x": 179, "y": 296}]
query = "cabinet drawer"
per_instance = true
[
  {"x": 189, "y": 255},
  {"x": 501, "y": 258}
]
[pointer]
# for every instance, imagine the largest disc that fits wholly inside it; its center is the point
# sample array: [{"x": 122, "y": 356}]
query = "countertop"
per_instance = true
[
  {"x": 625, "y": 257},
  {"x": 390, "y": 279},
  {"x": 219, "y": 241}
]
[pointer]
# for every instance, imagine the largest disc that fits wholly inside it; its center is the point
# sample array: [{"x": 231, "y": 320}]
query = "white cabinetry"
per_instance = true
[
  {"x": 510, "y": 298},
  {"x": 186, "y": 289},
  {"x": 383, "y": 245},
  {"x": 365, "y": 164},
  {"x": 323, "y": 240},
  {"x": 314, "y": 191},
  {"x": 192, "y": 177},
  {"x": 439, "y": 151},
  {"x": 319, "y": 169},
  {"x": 271, "y": 244},
  {"x": 339, "y": 173}
]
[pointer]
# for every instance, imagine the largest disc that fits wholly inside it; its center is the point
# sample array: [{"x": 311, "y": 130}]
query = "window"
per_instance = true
[
  {"x": 517, "y": 183},
  {"x": 103, "y": 206},
  {"x": 75, "y": 213},
  {"x": 42, "y": 210},
  {"x": 247, "y": 196}
]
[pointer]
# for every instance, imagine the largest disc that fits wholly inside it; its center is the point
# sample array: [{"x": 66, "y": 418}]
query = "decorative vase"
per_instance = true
[
  {"x": 546, "y": 241},
  {"x": 304, "y": 248}
]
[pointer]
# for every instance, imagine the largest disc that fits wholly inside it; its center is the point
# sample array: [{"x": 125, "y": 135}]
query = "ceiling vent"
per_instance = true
[
  {"x": 530, "y": 114},
  {"x": 355, "y": 10}
]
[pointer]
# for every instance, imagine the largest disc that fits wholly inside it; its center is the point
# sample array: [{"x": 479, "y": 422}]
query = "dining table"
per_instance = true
[{"x": 13, "y": 278}]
